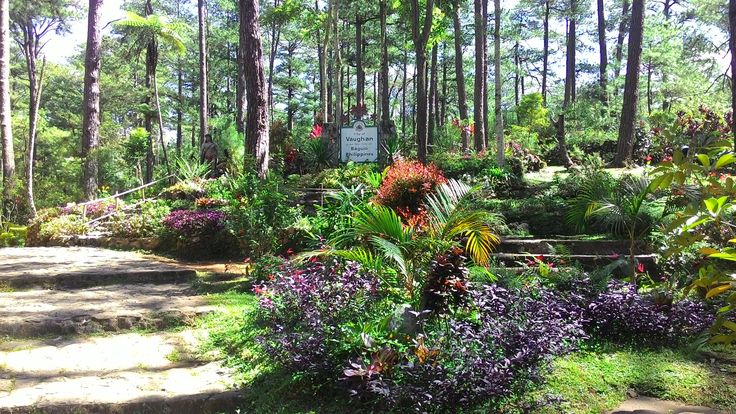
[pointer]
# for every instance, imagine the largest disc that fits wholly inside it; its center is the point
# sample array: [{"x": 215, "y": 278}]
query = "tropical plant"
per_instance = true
[
  {"x": 624, "y": 207},
  {"x": 146, "y": 32},
  {"x": 377, "y": 231},
  {"x": 706, "y": 192},
  {"x": 187, "y": 168}
]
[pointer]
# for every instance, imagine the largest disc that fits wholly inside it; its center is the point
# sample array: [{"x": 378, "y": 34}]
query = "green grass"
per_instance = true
[
  {"x": 590, "y": 381},
  {"x": 593, "y": 382}
]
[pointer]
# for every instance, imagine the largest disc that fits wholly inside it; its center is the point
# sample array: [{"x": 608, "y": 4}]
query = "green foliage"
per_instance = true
[
  {"x": 64, "y": 226},
  {"x": 259, "y": 216},
  {"x": 378, "y": 231},
  {"x": 144, "y": 220},
  {"x": 184, "y": 190},
  {"x": 532, "y": 114},
  {"x": 705, "y": 191}
]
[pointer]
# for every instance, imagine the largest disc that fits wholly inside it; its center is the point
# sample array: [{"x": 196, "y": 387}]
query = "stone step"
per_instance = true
[
  {"x": 571, "y": 246},
  {"x": 97, "y": 309},
  {"x": 587, "y": 261},
  {"x": 80, "y": 267},
  {"x": 128, "y": 373}
]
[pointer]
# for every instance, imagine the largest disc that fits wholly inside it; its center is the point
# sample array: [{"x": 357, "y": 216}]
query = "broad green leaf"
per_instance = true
[
  {"x": 725, "y": 159},
  {"x": 704, "y": 159}
]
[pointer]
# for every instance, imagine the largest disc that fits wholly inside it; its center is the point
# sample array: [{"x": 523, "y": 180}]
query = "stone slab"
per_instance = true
[
  {"x": 79, "y": 267},
  {"x": 101, "y": 308},
  {"x": 646, "y": 405},
  {"x": 123, "y": 373}
]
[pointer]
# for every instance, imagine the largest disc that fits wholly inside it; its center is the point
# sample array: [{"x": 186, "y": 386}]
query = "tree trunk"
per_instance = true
[
  {"x": 240, "y": 107},
  {"x": 337, "y": 55},
  {"x": 732, "y": 44},
  {"x": 625, "y": 147},
  {"x": 404, "y": 84},
  {"x": 420, "y": 34},
  {"x": 462, "y": 103},
  {"x": 8, "y": 153},
  {"x": 432, "y": 111},
  {"x": 203, "y": 81},
  {"x": 478, "y": 99},
  {"x": 517, "y": 70},
  {"x": 497, "y": 60},
  {"x": 603, "y": 67},
  {"x": 545, "y": 51},
  {"x": 36, "y": 87},
  {"x": 151, "y": 63},
  {"x": 486, "y": 125},
  {"x": 623, "y": 27},
  {"x": 289, "y": 89},
  {"x": 386, "y": 125},
  {"x": 91, "y": 114},
  {"x": 257, "y": 127},
  {"x": 160, "y": 124},
  {"x": 564, "y": 156},
  {"x": 322, "y": 45},
  {"x": 275, "y": 39},
  {"x": 649, "y": 86},
  {"x": 360, "y": 71}
]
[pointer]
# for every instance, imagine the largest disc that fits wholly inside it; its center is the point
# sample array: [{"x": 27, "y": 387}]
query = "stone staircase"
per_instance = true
[
  {"x": 515, "y": 253},
  {"x": 86, "y": 331}
]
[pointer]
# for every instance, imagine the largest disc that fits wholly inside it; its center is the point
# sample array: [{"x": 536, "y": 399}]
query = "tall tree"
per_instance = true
[
  {"x": 603, "y": 52},
  {"x": 462, "y": 103},
  {"x": 497, "y": 75},
  {"x": 479, "y": 98},
  {"x": 203, "y": 79},
  {"x": 146, "y": 33},
  {"x": 623, "y": 27},
  {"x": 32, "y": 21},
  {"x": 421, "y": 29},
  {"x": 91, "y": 105},
  {"x": 384, "y": 89},
  {"x": 8, "y": 153},
  {"x": 545, "y": 49},
  {"x": 257, "y": 127},
  {"x": 625, "y": 148},
  {"x": 564, "y": 156},
  {"x": 732, "y": 44}
]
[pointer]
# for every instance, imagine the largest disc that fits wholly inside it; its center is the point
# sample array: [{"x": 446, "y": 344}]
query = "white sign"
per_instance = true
[{"x": 359, "y": 143}]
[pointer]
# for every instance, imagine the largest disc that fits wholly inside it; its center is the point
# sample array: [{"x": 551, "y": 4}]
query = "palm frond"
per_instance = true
[
  {"x": 380, "y": 221},
  {"x": 390, "y": 251},
  {"x": 475, "y": 227},
  {"x": 445, "y": 199}
]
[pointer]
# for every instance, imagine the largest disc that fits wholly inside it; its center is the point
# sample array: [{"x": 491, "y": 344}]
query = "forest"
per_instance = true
[
  {"x": 507, "y": 206},
  {"x": 172, "y": 71}
]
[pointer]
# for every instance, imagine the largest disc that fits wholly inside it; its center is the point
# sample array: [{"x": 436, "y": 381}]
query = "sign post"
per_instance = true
[{"x": 359, "y": 143}]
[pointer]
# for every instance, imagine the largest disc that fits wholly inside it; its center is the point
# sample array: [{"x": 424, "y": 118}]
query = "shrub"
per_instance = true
[
  {"x": 406, "y": 185},
  {"x": 488, "y": 357},
  {"x": 306, "y": 312},
  {"x": 62, "y": 227},
  {"x": 194, "y": 224},
  {"x": 259, "y": 215},
  {"x": 331, "y": 323},
  {"x": 144, "y": 221},
  {"x": 622, "y": 314},
  {"x": 184, "y": 190}
]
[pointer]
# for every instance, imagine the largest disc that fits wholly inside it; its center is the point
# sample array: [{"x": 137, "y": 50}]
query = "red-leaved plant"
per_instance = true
[{"x": 405, "y": 186}]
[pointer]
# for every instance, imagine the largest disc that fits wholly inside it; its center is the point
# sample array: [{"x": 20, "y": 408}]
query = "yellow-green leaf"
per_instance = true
[
  {"x": 726, "y": 159},
  {"x": 717, "y": 290}
]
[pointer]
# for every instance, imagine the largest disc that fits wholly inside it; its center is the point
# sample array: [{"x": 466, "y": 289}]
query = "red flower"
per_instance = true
[
  {"x": 316, "y": 132},
  {"x": 640, "y": 267}
]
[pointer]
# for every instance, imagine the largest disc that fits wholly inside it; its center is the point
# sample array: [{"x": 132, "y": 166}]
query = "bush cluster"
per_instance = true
[{"x": 405, "y": 186}]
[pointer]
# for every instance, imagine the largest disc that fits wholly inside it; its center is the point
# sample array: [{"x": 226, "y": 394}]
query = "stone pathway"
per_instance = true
[
  {"x": 49, "y": 296},
  {"x": 646, "y": 405}
]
